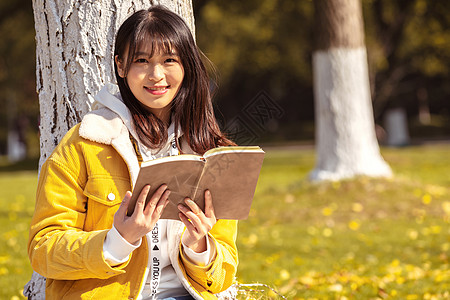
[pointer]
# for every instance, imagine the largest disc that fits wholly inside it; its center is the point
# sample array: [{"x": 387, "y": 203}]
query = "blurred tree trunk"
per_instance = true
[
  {"x": 345, "y": 133},
  {"x": 74, "y": 55}
]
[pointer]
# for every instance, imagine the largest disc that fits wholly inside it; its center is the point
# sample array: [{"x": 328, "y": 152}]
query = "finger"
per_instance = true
[
  {"x": 194, "y": 218},
  {"x": 140, "y": 202},
  {"x": 209, "y": 208},
  {"x": 193, "y": 206},
  {"x": 156, "y": 197},
  {"x": 199, "y": 219},
  {"x": 121, "y": 212},
  {"x": 161, "y": 204},
  {"x": 187, "y": 223}
]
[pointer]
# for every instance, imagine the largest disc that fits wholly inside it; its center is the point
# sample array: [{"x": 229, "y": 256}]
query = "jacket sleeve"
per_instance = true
[
  {"x": 58, "y": 247},
  {"x": 220, "y": 274}
]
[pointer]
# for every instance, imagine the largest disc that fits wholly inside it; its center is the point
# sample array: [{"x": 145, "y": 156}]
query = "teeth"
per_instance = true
[{"x": 157, "y": 88}]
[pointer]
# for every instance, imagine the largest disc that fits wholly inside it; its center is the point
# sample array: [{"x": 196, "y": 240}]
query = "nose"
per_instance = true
[{"x": 156, "y": 72}]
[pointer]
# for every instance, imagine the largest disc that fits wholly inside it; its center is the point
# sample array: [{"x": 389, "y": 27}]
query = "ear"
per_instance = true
[{"x": 120, "y": 66}]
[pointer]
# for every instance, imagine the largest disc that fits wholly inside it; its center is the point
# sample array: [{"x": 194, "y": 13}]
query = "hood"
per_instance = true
[{"x": 109, "y": 97}]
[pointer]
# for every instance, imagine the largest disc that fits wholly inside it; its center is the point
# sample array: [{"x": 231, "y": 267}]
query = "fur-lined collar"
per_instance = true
[
  {"x": 105, "y": 127},
  {"x": 101, "y": 126}
]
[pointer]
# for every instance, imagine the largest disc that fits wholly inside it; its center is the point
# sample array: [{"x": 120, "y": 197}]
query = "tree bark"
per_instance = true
[
  {"x": 74, "y": 50},
  {"x": 346, "y": 143},
  {"x": 74, "y": 55}
]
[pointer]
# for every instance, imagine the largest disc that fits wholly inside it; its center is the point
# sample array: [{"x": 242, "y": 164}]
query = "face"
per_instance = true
[{"x": 154, "y": 81}]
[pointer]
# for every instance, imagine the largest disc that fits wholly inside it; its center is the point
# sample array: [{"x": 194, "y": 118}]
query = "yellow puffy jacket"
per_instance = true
[{"x": 74, "y": 213}]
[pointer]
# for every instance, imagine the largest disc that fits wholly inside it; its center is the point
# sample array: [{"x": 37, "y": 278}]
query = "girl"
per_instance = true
[{"x": 81, "y": 238}]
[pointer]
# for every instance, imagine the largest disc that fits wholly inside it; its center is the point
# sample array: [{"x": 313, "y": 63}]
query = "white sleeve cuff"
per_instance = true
[
  {"x": 203, "y": 258},
  {"x": 116, "y": 249}
]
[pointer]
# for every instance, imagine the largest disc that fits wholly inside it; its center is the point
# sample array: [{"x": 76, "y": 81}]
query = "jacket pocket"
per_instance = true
[{"x": 104, "y": 197}]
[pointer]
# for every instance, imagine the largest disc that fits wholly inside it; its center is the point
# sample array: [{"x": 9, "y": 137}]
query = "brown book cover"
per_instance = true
[{"x": 230, "y": 173}]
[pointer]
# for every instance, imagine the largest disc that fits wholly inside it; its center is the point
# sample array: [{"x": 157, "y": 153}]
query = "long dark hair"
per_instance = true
[{"x": 192, "y": 108}]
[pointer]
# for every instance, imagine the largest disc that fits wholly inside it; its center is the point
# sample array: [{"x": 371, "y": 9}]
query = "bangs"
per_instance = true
[
  {"x": 155, "y": 39},
  {"x": 156, "y": 43}
]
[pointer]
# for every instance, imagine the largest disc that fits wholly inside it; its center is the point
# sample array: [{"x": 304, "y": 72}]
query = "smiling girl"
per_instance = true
[{"x": 81, "y": 238}]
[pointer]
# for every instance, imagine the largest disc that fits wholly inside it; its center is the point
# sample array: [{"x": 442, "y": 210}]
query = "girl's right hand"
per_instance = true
[{"x": 144, "y": 216}]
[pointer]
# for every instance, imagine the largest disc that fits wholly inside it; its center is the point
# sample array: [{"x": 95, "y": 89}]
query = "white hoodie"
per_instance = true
[{"x": 116, "y": 249}]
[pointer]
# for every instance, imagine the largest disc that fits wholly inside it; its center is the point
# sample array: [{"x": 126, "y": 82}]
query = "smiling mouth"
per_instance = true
[{"x": 157, "y": 90}]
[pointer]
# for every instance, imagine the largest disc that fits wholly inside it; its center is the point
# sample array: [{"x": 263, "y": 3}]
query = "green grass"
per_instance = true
[
  {"x": 16, "y": 210},
  {"x": 356, "y": 239}
]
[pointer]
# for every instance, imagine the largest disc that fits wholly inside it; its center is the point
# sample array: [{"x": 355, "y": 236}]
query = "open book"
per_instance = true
[{"x": 230, "y": 173}]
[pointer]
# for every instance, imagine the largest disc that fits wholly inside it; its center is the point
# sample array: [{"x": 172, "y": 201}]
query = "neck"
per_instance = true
[{"x": 163, "y": 114}]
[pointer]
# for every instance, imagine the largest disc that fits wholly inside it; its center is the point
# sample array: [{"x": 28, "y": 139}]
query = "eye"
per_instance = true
[
  {"x": 140, "y": 60},
  {"x": 171, "y": 60}
]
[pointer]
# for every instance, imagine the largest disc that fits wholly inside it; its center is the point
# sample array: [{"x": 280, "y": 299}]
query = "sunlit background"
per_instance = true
[
  {"x": 354, "y": 239},
  {"x": 266, "y": 46}
]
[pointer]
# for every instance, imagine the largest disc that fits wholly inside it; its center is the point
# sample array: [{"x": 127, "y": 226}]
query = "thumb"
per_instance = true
[{"x": 122, "y": 211}]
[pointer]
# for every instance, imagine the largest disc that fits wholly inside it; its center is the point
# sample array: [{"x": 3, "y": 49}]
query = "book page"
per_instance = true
[{"x": 227, "y": 149}]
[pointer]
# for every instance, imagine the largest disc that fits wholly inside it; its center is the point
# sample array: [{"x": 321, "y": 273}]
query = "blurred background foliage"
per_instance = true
[
  {"x": 267, "y": 45},
  {"x": 19, "y": 107}
]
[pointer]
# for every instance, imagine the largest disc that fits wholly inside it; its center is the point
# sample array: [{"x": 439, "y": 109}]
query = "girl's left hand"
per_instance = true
[{"x": 197, "y": 222}]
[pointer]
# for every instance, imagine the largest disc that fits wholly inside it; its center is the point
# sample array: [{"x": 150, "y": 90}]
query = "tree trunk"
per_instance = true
[
  {"x": 345, "y": 133},
  {"x": 74, "y": 55}
]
